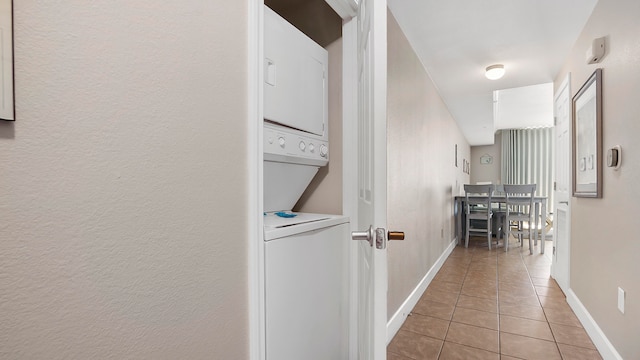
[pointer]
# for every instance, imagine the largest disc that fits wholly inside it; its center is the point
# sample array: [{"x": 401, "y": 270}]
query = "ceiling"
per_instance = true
[{"x": 457, "y": 39}]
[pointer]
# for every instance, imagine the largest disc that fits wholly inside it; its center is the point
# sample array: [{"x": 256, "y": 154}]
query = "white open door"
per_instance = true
[
  {"x": 562, "y": 206},
  {"x": 372, "y": 180}
]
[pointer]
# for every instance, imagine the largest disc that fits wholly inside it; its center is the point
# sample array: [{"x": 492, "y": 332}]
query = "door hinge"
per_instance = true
[
  {"x": 554, "y": 250},
  {"x": 554, "y": 186}
]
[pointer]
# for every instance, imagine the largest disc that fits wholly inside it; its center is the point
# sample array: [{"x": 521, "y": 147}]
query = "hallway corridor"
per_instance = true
[{"x": 493, "y": 305}]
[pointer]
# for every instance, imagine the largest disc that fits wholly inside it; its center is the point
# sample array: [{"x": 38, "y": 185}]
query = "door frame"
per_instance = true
[
  {"x": 566, "y": 83},
  {"x": 350, "y": 165},
  {"x": 255, "y": 195}
]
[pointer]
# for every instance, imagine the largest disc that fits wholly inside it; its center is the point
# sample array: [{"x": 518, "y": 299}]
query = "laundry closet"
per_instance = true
[{"x": 306, "y": 239}]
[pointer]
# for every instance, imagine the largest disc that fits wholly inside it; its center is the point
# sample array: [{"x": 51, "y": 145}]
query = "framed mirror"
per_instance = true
[
  {"x": 587, "y": 138},
  {"x": 7, "y": 110}
]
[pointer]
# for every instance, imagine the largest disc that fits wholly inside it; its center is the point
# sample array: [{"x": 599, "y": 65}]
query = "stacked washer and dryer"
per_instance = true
[{"x": 306, "y": 272}]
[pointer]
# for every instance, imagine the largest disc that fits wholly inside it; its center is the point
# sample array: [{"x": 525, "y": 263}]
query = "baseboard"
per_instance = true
[
  {"x": 396, "y": 321},
  {"x": 596, "y": 334}
]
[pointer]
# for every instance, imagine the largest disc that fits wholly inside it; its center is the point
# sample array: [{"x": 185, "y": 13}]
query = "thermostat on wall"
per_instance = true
[{"x": 614, "y": 157}]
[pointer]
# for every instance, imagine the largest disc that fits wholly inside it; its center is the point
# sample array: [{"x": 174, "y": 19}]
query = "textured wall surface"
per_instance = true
[
  {"x": 123, "y": 233},
  {"x": 604, "y": 238},
  {"x": 422, "y": 176}
]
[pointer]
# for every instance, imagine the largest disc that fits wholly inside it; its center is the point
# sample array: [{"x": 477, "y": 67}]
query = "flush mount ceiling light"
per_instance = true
[{"x": 494, "y": 72}]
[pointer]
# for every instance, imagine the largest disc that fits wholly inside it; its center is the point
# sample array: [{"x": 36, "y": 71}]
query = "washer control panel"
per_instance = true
[{"x": 289, "y": 145}]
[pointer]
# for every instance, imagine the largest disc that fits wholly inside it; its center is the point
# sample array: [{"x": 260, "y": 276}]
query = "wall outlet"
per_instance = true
[{"x": 621, "y": 300}]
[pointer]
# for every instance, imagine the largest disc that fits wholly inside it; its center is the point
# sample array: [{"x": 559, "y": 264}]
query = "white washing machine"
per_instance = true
[{"x": 306, "y": 287}]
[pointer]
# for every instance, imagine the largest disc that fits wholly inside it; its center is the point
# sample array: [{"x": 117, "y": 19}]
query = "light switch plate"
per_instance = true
[{"x": 621, "y": 300}]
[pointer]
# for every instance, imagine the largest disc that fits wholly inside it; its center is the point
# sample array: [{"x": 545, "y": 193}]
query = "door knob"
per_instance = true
[
  {"x": 379, "y": 236},
  {"x": 367, "y": 235}
]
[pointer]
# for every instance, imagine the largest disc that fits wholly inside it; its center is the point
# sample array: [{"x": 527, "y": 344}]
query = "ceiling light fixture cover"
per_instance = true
[{"x": 494, "y": 72}]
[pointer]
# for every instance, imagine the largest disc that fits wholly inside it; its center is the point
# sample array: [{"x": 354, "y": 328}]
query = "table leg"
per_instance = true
[
  {"x": 537, "y": 217},
  {"x": 458, "y": 214},
  {"x": 544, "y": 225}
]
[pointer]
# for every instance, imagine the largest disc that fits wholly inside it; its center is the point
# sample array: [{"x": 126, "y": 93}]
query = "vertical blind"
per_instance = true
[{"x": 527, "y": 158}]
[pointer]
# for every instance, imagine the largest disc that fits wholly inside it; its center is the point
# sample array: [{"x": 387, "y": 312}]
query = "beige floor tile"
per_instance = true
[
  {"x": 445, "y": 297},
  {"x": 526, "y": 327},
  {"x": 435, "y": 309},
  {"x": 571, "y": 335},
  {"x": 553, "y": 303},
  {"x": 522, "y": 290},
  {"x": 394, "y": 356},
  {"x": 514, "y": 278},
  {"x": 533, "y": 312},
  {"x": 577, "y": 353},
  {"x": 528, "y": 348},
  {"x": 474, "y": 277},
  {"x": 476, "y": 285},
  {"x": 453, "y": 270},
  {"x": 550, "y": 292},
  {"x": 473, "y": 336},
  {"x": 479, "y": 291},
  {"x": 415, "y": 346},
  {"x": 476, "y": 317},
  {"x": 548, "y": 282},
  {"x": 426, "y": 325},
  {"x": 484, "y": 304},
  {"x": 445, "y": 286},
  {"x": 539, "y": 272},
  {"x": 454, "y": 278},
  {"x": 562, "y": 316},
  {"x": 508, "y": 298},
  {"x": 453, "y": 351}
]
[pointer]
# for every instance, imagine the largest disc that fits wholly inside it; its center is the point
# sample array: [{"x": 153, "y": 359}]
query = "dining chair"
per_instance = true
[
  {"x": 519, "y": 204},
  {"x": 478, "y": 211}
]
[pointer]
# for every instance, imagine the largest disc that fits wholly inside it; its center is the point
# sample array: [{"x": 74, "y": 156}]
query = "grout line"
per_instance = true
[
  {"x": 476, "y": 258},
  {"x": 540, "y": 302},
  {"x": 454, "y": 306}
]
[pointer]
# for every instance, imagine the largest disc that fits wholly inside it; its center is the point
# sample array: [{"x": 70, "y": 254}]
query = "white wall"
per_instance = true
[
  {"x": 123, "y": 232},
  {"x": 422, "y": 177},
  {"x": 604, "y": 244},
  {"x": 487, "y": 172}
]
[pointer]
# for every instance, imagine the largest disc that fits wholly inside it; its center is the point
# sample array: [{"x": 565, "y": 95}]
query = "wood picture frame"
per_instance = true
[{"x": 587, "y": 138}]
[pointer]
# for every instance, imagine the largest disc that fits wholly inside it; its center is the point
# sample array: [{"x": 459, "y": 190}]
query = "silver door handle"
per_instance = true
[
  {"x": 564, "y": 202},
  {"x": 367, "y": 235},
  {"x": 379, "y": 234}
]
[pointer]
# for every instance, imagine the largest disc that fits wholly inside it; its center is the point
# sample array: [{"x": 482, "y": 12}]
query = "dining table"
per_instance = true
[{"x": 540, "y": 214}]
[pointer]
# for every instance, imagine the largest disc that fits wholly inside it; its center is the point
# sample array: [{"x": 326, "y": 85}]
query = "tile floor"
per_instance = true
[{"x": 493, "y": 305}]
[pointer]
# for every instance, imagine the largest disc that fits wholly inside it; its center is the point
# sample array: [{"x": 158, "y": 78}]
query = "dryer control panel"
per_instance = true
[{"x": 292, "y": 146}]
